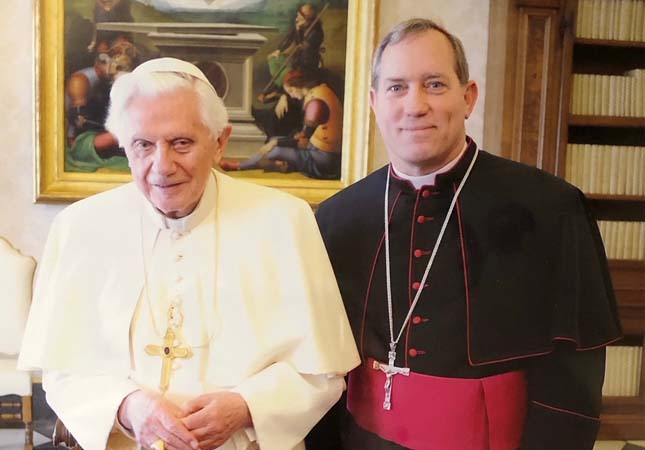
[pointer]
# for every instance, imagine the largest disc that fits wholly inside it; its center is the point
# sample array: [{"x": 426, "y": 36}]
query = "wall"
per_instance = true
[
  {"x": 468, "y": 20},
  {"x": 26, "y": 223}
]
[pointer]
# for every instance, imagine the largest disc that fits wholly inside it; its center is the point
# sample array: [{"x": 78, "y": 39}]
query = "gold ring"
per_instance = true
[{"x": 158, "y": 445}]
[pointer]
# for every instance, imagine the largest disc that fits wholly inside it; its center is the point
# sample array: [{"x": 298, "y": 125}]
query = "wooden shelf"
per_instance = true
[
  {"x": 617, "y": 207},
  {"x": 604, "y": 57},
  {"x": 628, "y": 264},
  {"x": 586, "y": 134},
  {"x": 632, "y": 319},
  {"x": 606, "y": 121},
  {"x": 628, "y": 401},
  {"x": 628, "y": 278},
  {"x": 616, "y": 198},
  {"x": 608, "y": 43},
  {"x": 627, "y": 425}
]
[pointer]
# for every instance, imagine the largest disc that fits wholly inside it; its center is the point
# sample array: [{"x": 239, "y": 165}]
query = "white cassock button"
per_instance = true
[
  {"x": 175, "y": 235},
  {"x": 179, "y": 279},
  {"x": 179, "y": 258}
]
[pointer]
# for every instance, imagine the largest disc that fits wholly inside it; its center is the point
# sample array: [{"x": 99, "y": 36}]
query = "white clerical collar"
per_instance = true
[
  {"x": 187, "y": 223},
  {"x": 429, "y": 179}
]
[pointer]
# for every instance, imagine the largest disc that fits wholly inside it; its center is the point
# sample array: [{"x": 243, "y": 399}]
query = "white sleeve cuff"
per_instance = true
[{"x": 285, "y": 404}]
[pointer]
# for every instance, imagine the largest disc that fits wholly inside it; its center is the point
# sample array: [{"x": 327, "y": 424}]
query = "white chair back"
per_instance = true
[{"x": 16, "y": 278}]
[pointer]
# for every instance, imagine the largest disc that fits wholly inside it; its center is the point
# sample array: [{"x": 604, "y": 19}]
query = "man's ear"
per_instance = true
[
  {"x": 471, "y": 93},
  {"x": 222, "y": 141},
  {"x": 372, "y": 97}
]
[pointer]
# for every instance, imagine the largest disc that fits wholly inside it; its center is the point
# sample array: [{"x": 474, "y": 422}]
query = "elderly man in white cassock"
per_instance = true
[{"x": 186, "y": 310}]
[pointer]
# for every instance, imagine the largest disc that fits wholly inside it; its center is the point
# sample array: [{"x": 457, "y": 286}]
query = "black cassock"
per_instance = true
[{"x": 520, "y": 283}]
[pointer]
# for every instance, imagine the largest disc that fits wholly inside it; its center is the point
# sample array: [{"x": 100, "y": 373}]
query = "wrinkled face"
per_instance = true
[
  {"x": 171, "y": 151},
  {"x": 420, "y": 105}
]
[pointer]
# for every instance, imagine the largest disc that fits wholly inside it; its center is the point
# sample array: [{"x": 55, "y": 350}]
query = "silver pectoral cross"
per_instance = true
[{"x": 390, "y": 370}]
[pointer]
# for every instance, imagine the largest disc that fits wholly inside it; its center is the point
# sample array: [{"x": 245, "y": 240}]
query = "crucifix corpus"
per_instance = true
[
  {"x": 390, "y": 370},
  {"x": 168, "y": 353}
]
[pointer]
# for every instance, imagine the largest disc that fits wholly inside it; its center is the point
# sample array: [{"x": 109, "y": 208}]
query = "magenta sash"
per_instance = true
[{"x": 437, "y": 413}]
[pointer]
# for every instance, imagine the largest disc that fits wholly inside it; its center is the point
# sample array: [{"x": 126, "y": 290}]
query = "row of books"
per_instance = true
[
  {"x": 609, "y": 95},
  {"x": 623, "y": 240},
  {"x": 622, "y": 371},
  {"x": 606, "y": 169},
  {"x": 620, "y": 20}
]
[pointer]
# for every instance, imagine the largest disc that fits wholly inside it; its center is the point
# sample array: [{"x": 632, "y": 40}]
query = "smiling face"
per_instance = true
[
  {"x": 419, "y": 103},
  {"x": 171, "y": 151}
]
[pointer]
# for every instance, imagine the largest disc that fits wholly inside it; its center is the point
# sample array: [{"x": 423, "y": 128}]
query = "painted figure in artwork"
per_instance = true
[
  {"x": 301, "y": 49},
  {"x": 315, "y": 149},
  {"x": 109, "y": 11},
  {"x": 89, "y": 145}
]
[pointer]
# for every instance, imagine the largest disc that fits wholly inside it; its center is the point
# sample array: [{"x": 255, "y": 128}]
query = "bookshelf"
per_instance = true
[
  {"x": 606, "y": 121},
  {"x": 574, "y": 105}
]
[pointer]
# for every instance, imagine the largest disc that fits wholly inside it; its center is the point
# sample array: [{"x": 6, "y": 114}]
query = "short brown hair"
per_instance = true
[{"x": 414, "y": 27}]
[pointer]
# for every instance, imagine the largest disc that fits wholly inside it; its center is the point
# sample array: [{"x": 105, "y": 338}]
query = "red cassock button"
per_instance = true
[
  {"x": 412, "y": 352},
  {"x": 425, "y": 193},
  {"x": 416, "y": 285},
  {"x": 421, "y": 219},
  {"x": 416, "y": 320},
  {"x": 418, "y": 253}
]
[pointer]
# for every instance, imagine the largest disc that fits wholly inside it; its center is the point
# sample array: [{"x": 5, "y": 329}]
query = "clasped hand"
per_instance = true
[{"x": 203, "y": 423}]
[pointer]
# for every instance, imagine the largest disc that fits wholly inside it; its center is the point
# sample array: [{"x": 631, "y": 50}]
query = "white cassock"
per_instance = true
[{"x": 269, "y": 324}]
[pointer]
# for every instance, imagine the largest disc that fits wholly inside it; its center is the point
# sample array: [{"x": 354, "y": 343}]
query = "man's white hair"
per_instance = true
[{"x": 161, "y": 76}]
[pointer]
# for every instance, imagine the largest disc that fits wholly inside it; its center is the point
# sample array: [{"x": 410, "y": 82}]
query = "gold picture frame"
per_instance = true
[{"x": 54, "y": 184}]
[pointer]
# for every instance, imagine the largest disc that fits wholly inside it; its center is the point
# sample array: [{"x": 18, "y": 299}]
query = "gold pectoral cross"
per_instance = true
[{"x": 168, "y": 353}]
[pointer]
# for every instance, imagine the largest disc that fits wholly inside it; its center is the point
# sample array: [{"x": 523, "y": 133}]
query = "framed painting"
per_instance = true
[{"x": 268, "y": 59}]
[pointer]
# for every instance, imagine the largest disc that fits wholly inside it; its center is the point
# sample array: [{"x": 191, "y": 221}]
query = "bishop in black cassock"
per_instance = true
[
  {"x": 508, "y": 309},
  {"x": 517, "y": 306}
]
